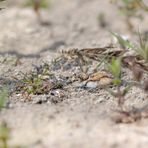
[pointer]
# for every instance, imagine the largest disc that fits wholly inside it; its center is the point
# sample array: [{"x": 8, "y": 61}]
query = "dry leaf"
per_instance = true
[
  {"x": 105, "y": 81},
  {"x": 131, "y": 61},
  {"x": 101, "y": 77},
  {"x": 130, "y": 116}
]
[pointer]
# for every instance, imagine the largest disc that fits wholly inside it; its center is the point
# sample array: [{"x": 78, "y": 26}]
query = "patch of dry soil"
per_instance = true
[{"x": 82, "y": 118}]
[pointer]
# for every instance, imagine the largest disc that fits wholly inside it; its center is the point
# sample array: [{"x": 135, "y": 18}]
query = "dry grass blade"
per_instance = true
[{"x": 142, "y": 50}]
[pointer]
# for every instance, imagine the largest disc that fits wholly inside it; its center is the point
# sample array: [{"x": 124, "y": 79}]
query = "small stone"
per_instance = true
[
  {"x": 92, "y": 84},
  {"x": 80, "y": 84}
]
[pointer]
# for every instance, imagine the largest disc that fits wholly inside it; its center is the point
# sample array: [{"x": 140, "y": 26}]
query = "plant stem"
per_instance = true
[
  {"x": 120, "y": 98},
  {"x": 129, "y": 24}
]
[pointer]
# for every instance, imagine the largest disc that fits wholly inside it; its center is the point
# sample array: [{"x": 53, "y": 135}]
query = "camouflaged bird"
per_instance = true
[
  {"x": 100, "y": 53},
  {"x": 96, "y": 54}
]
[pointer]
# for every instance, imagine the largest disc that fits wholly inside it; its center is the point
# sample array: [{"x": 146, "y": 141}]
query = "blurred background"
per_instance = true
[{"x": 38, "y": 26}]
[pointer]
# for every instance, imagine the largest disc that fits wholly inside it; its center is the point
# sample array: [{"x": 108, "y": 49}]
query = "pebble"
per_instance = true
[
  {"x": 92, "y": 84},
  {"x": 86, "y": 84}
]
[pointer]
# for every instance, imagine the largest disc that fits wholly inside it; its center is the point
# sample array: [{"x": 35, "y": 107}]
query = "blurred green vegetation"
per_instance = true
[
  {"x": 42, "y": 3},
  {"x": 4, "y": 135},
  {"x": 3, "y": 97}
]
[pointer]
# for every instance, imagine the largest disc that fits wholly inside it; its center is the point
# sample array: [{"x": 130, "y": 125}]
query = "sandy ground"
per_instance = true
[{"x": 82, "y": 119}]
